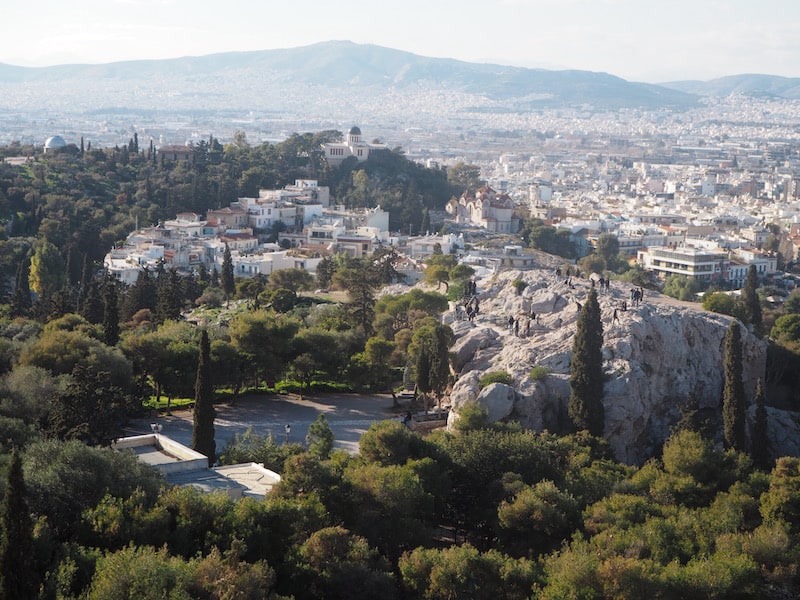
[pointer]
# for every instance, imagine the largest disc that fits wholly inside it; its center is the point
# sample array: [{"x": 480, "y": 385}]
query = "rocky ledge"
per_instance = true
[{"x": 657, "y": 355}]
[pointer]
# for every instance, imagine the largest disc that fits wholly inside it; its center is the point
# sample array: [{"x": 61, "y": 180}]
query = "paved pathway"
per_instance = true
[{"x": 349, "y": 416}]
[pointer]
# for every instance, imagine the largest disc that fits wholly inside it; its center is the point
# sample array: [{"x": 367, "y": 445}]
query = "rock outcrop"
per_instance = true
[{"x": 657, "y": 356}]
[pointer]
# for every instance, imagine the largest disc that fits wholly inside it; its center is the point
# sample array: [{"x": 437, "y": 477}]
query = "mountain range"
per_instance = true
[{"x": 340, "y": 72}]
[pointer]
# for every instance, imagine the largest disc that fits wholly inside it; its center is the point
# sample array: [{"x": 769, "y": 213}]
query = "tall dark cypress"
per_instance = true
[
  {"x": 204, "y": 413},
  {"x": 228, "y": 283},
  {"x": 759, "y": 438},
  {"x": 586, "y": 370},
  {"x": 21, "y": 300},
  {"x": 733, "y": 392},
  {"x": 17, "y": 577},
  {"x": 110, "y": 313},
  {"x": 92, "y": 308},
  {"x": 751, "y": 301},
  {"x": 86, "y": 277}
]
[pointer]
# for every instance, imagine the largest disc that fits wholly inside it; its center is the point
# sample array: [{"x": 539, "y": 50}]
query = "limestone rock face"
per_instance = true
[
  {"x": 498, "y": 399},
  {"x": 656, "y": 356}
]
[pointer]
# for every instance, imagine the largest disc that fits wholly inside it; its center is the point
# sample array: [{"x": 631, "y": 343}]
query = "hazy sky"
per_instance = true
[{"x": 640, "y": 40}]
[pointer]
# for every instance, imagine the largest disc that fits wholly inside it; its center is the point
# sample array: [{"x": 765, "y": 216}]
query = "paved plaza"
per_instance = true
[{"x": 349, "y": 416}]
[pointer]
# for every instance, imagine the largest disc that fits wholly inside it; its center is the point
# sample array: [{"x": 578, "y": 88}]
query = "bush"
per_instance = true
[
  {"x": 538, "y": 373},
  {"x": 495, "y": 377}
]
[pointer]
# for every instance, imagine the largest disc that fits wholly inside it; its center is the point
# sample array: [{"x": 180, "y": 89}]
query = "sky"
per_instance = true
[{"x": 639, "y": 40}]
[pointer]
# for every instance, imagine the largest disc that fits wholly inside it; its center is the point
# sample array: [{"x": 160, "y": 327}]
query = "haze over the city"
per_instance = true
[{"x": 639, "y": 40}]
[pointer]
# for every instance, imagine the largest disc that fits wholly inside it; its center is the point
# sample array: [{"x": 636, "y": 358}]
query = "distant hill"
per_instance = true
[
  {"x": 236, "y": 78},
  {"x": 748, "y": 84}
]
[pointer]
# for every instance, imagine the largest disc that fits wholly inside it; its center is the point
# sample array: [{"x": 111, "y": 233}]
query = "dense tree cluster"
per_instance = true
[
  {"x": 65, "y": 210},
  {"x": 484, "y": 511}
]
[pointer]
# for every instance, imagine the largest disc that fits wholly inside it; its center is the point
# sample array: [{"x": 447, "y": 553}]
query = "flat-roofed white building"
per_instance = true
[
  {"x": 697, "y": 263},
  {"x": 183, "y": 466}
]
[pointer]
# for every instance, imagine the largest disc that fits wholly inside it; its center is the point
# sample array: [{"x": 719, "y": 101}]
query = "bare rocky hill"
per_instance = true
[{"x": 656, "y": 356}]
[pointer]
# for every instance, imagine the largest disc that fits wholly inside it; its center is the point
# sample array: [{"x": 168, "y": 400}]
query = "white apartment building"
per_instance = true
[{"x": 697, "y": 263}]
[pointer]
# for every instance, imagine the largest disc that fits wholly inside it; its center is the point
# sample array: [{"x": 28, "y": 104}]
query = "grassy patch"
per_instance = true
[
  {"x": 538, "y": 373},
  {"x": 495, "y": 377}
]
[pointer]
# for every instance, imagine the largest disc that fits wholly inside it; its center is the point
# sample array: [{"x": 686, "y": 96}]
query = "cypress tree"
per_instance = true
[
  {"x": 110, "y": 313},
  {"x": 86, "y": 277},
  {"x": 204, "y": 413},
  {"x": 586, "y": 370},
  {"x": 733, "y": 392},
  {"x": 21, "y": 300},
  {"x": 228, "y": 283},
  {"x": 17, "y": 578},
  {"x": 751, "y": 301},
  {"x": 169, "y": 296},
  {"x": 439, "y": 372},
  {"x": 142, "y": 294},
  {"x": 92, "y": 308},
  {"x": 759, "y": 439}
]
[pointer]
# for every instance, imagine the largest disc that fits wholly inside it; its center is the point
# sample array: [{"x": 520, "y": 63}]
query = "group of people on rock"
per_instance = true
[
  {"x": 469, "y": 305},
  {"x": 603, "y": 283},
  {"x": 513, "y": 325},
  {"x": 637, "y": 295}
]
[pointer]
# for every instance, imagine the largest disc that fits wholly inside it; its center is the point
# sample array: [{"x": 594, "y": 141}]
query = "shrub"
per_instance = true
[
  {"x": 495, "y": 377},
  {"x": 538, "y": 373}
]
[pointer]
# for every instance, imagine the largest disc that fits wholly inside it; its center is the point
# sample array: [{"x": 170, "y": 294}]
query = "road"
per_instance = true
[{"x": 349, "y": 416}]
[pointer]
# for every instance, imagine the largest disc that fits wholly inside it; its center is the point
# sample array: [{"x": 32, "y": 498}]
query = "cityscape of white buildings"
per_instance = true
[{"x": 716, "y": 177}]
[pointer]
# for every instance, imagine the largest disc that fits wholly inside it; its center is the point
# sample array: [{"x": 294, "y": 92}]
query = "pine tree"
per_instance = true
[
  {"x": 751, "y": 301},
  {"x": 733, "y": 393},
  {"x": 204, "y": 413},
  {"x": 17, "y": 578},
  {"x": 759, "y": 438},
  {"x": 228, "y": 283},
  {"x": 586, "y": 370},
  {"x": 110, "y": 313}
]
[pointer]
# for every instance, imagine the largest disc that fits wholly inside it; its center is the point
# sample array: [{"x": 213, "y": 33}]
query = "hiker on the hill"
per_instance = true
[
  {"x": 615, "y": 317},
  {"x": 511, "y": 323},
  {"x": 579, "y": 305},
  {"x": 516, "y": 328},
  {"x": 528, "y": 328}
]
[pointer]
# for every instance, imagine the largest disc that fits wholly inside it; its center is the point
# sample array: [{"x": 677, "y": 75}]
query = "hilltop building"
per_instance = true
[
  {"x": 54, "y": 143},
  {"x": 336, "y": 153}
]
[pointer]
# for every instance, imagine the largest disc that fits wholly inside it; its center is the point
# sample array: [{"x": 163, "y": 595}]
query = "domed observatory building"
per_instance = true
[
  {"x": 54, "y": 143},
  {"x": 353, "y": 145}
]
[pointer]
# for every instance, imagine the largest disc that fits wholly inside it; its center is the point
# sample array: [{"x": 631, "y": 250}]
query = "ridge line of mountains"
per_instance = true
[{"x": 345, "y": 65}]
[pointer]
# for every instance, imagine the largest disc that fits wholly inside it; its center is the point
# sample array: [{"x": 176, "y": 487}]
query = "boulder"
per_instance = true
[{"x": 498, "y": 399}]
